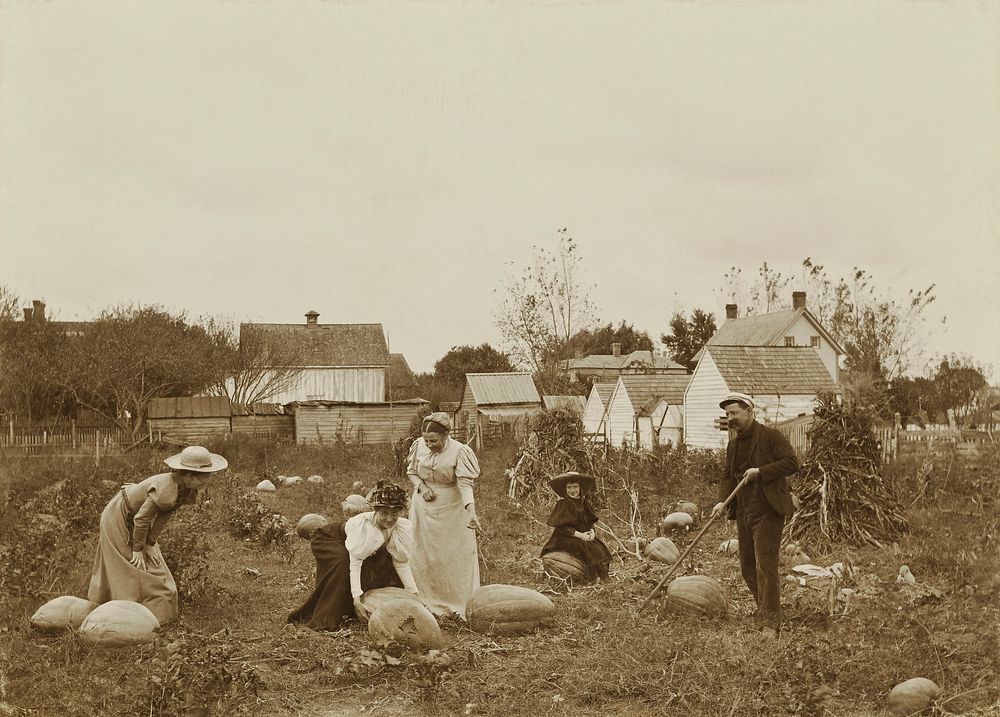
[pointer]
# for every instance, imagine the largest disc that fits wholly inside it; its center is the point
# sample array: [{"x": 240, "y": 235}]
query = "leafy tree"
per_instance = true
[
  {"x": 31, "y": 351},
  {"x": 687, "y": 336},
  {"x": 130, "y": 355},
  {"x": 601, "y": 340},
  {"x": 461, "y": 360},
  {"x": 959, "y": 384},
  {"x": 543, "y": 306},
  {"x": 912, "y": 397}
]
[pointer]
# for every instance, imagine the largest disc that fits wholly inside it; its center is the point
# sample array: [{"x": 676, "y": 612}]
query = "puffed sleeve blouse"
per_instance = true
[
  {"x": 455, "y": 464},
  {"x": 150, "y": 504},
  {"x": 364, "y": 537}
]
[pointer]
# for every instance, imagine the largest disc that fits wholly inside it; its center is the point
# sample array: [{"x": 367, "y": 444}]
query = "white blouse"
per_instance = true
[{"x": 364, "y": 538}]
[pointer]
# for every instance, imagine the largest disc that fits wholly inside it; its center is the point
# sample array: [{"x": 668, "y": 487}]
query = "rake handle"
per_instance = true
[{"x": 680, "y": 560}]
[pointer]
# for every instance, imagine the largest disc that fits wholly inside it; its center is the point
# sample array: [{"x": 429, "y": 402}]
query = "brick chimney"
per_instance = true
[
  {"x": 616, "y": 349},
  {"x": 730, "y": 311},
  {"x": 311, "y": 318},
  {"x": 27, "y": 313},
  {"x": 38, "y": 313},
  {"x": 798, "y": 299}
]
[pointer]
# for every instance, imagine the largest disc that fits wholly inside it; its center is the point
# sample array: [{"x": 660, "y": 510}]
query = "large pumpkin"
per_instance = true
[
  {"x": 119, "y": 623},
  {"x": 507, "y": 609},
  {"x": 697, "y": 593},
  {"x": 308, "y": 524},
  {"x": 61, "y": 613},
  {"x": 406, "y": 622},
  {"x": 563, "y": 565},
  {"x": 676, "y": 521},
  {"x": 375, "y": 598},
  {"x": 912, "y": 697},
  {"x": 663, "y": 550}
]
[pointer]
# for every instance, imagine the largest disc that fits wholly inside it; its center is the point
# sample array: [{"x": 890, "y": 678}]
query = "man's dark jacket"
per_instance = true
[{"x": 771, "y": 452}]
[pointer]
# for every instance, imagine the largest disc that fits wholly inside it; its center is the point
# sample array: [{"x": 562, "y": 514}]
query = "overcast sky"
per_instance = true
[{"x": 382, "y": 162}]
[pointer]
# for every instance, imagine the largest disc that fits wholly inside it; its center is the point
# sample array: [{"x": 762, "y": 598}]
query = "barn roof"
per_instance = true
[
  {"x": 330, "y": 344},
  {"x": 500, "y": 388},
  {"x": 573, "y": 404},
  {"x": 645, "y": 388},
  {"x": 610, "y": 361},
  {"x": 766, "y": 329},
  {"x": 189, "y": 407},
  {"x": 757, "y": 370},
  {"x": 604, "y": 391}
]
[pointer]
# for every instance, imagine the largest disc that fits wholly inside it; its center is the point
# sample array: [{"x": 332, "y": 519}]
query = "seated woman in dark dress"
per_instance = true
[
  {"x": 370, "y": 550},
  {"x": 572, "y": 520}
]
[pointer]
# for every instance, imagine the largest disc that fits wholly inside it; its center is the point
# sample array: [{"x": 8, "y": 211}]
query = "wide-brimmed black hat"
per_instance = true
[
  {"x": 387, "y": 495},
  {"x": 558, "y": 484}
]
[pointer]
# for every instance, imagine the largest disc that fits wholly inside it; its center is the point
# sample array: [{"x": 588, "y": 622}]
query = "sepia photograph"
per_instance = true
[{"x": 488, "y": 358}]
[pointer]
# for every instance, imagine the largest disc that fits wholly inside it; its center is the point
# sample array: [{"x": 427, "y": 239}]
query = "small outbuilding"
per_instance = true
[
  {"x": 596, "y": 411},
  {"x": 495, "y": 405},
  {"x": 329, "y": 422},
  {"x": 188, "y": 419},
  {"x": 646, "y": 410}
]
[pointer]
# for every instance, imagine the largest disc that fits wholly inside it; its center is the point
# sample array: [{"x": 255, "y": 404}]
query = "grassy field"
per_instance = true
[{"x": 231, "y": 651}]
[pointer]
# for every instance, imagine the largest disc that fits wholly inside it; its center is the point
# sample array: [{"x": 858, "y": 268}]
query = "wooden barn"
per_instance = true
[
  {"x": 339, "y": 362},
  {"x": 783, "y": 379},
  {"x": 189, "y": 419},
  {"x": 328, "y": 422},
  {"x": 496, "y": 405},
  {"x": 596, "y": 411},
  {"x": 646, "y": 410}
]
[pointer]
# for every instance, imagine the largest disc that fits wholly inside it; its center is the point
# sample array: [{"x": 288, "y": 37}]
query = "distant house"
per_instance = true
[
  {"x": 789, "y": 327},
  {"x": 496, "y": 404},
  {"x": 189, "y": 419},
  {"x": 596, "y": 410},
  {"x": 340, "y": 362},
  {"x": 646, "y": 410},
  {"x": 571, "y": 404},
  {"x": 783, "y": 379},
  {"x": 602, "y": 368}
]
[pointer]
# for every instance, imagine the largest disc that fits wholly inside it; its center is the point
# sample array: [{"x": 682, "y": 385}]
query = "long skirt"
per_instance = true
[
  {"x": 330, "y": 602},
  {"x": 115, "y": 578},
  {"x": 444, "y": 558}
]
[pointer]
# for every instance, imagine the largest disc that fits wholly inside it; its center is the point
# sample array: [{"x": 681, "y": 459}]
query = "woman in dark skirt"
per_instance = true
[
  {"x": 573, "y": 519},
  {"x": 370, "y": 550}
]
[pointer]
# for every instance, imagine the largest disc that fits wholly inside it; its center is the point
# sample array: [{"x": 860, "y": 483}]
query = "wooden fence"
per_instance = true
[
  {"x": 62, "y": 439},
  {"x": 796, "y": 430}
]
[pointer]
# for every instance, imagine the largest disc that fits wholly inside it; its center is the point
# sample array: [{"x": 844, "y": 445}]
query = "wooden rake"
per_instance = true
[{"x": 680, "y": 560}]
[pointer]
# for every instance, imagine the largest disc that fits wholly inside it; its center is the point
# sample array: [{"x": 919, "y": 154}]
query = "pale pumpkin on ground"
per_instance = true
[
  {"x": 686, "y": 506},
  {"x": 265, "y": 486},
  {"x": 119, "y": 623},
  {"x": 405, "y": 622},
  {"x": 507, "y": 609},
  {"x": 697, "y": 593},
  {"x": 563, "y": 565},
  {"x": 676, "y": 521},
  {"x": 663, "y": 550},
  {"x": 375, "y": 598},
  {"x": 912, "y": 696},
  {"x": 62, "y": 613}
]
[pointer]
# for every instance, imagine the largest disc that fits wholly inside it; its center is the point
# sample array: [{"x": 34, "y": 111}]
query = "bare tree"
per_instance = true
[
  {"x": 545, "y": 305},
  {"x": 260, "y": 362}
]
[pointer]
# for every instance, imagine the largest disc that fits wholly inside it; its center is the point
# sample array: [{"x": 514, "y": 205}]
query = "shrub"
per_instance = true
[{"x": 250, "y": 519}]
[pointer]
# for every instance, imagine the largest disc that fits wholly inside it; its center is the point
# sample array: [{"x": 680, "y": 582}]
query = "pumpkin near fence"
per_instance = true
[{"x": 507, "y": 609}]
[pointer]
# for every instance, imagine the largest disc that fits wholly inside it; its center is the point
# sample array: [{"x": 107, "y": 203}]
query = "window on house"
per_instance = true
[
  {"x": 789, "y": 341},
  {"x": 814, "y": 341}
]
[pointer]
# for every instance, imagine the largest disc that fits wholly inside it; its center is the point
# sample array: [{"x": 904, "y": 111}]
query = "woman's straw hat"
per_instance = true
[{"x": 197, "y": 458}]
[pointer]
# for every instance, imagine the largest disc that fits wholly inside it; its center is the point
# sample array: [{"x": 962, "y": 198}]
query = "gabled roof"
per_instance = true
[
  {"x": 189, "y": 407},
  {"x": 766, "y": 329},
  {"x": 573, "y": 404},
  {"x": 610, "y": 361},
  {"x": 758, "y": 370},
  {"x": 490, "y": 389},
  {"x": 604, "y": 391},
  {"x": 330, "y": 344},
  {"x": 400, "y": 373},
  {"x": 645, "y": 388}
]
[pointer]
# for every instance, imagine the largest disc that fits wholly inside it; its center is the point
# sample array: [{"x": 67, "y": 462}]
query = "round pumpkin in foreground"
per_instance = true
[
  {"x": 376, "y": 598},
  {"x": 676, "y": 521},
  {"x": 61, "y": 613},
  {"x": 407, "y": 623},
  {"x": 507, "y": 609},
  {"x": 697, "y": 593},
  {"x": 912, "y": 696},
  {"x": 119, "y": 623},
  {"x": 563, "y": 565},
  {"x": 663, "y": 550}
]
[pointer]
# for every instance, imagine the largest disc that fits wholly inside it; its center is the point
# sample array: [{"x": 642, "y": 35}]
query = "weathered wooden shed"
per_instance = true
[
  {"x": 495, "y": 405},
  {"x": 354, "y": 423},
  {"x": 646, "y": 410},
  {"x": 784, "y": 380},
  {"x": 263, "y": 420},
  {"x": 189, "y": 419}
]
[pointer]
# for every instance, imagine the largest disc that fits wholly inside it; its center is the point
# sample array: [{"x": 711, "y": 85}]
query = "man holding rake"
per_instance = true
[{"x": 765, "y": 458}]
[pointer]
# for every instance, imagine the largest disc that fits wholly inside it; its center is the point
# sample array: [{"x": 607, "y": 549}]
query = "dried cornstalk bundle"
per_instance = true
[{"x": 844, "y": 496}]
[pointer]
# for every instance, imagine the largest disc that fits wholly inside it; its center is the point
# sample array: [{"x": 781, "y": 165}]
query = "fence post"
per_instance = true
[
  {"x": 72, "y": 429},
  {"x": 97, "y": 447}
]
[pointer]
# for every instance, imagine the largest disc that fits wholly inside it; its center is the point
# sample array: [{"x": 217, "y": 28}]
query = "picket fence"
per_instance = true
[
  {"x": 65, "y": 439},
  {"x": 796, "y": 431}
]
